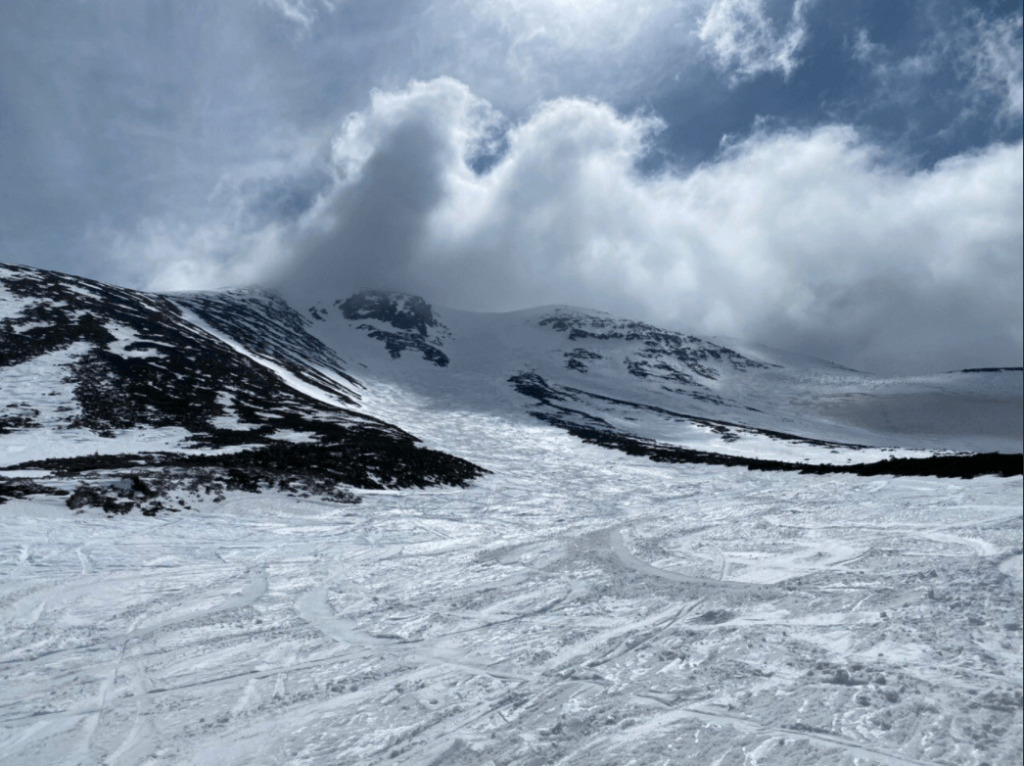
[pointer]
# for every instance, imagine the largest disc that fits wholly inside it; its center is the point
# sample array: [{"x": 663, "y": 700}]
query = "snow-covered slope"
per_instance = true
[
  {"x": 575, "y": 605},
  {"x": 240, "y": 370},
  {"x": 587, "y": 371},
  {"x": 229, "y": 379}
]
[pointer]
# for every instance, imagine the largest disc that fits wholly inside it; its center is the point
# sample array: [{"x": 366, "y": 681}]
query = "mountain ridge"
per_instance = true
[
  {"x": 239, "y": 380},
  {"x": 130, "y": 373}
]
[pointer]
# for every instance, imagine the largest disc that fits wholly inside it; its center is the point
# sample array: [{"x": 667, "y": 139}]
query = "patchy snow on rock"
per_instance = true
[
  {"x": 128, "y": 343},
  {"x": 40, "y": 386}
]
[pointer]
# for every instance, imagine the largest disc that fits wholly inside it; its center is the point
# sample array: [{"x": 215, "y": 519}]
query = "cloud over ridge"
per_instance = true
[
  {"x": 813, "y": 239},
  {"x": 838, "y": 178}
]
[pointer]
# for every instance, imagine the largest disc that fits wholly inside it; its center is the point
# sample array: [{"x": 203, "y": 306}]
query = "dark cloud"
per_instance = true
[
  {"x": 811, "y": 239},
  {"x": 376, "y": 225}
]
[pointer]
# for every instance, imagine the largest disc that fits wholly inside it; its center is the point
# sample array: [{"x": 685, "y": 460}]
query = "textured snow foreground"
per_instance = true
[{"x": 577, "y": 606}]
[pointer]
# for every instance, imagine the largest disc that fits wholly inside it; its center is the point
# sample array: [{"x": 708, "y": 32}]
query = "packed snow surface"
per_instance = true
[{"x": 577, "y": 606}]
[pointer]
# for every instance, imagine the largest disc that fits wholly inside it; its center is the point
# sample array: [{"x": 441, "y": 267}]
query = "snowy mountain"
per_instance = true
[
  {"x": 670, "y": 396},
  {"x": 414, "y": 535},
  {"x": 227, "y": 382},
  {"x": 239, "y": 378}
]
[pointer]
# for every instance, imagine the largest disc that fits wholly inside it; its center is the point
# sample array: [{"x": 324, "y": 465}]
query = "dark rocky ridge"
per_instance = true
[
  {"x": 670, "y": 356},
  {"x": 557, "y": 399},
  {"x": 368, "y": 459},
  {"x": 139, "y": 362},
  {"x": 403, "y": 312},
  {"x": 413, "y": 326},
  {"x": 268, "y": 327}
]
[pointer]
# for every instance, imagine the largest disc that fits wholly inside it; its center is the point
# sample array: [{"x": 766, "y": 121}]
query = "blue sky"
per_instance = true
[{"x": 839, "y": 178}]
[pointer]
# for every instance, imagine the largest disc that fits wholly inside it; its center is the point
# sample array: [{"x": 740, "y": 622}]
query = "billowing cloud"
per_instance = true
[
  {"x": 808, "y": 239},
  {"x": 546, "y": 151}
]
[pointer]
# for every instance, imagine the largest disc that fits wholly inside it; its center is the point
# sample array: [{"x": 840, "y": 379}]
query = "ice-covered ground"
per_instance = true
[{"x": 577, "y": 606}]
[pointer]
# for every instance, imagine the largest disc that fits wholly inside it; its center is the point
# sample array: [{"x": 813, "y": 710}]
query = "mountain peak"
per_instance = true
[{"x": 400, "y": 310}]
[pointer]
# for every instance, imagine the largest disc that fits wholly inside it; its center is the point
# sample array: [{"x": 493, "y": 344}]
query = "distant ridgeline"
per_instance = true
[
  {"x": 993, "y": 369},
  {"x": 944, "y": 466},
  {"x": 235, "y": 390}
]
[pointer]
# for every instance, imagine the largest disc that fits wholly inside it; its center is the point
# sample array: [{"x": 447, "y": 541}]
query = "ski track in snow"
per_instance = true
[{"x": 578, "y": 606}]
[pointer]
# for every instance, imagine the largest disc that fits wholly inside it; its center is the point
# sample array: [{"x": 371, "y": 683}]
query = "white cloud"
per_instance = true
[
  {"x": 600, "y": 25},
  {"x": 166, "y": 256},
  {"x": 899, "y": 79},
  {"x": 216, "y": 137},
  {"x": 444, "y": 106},
  {"x": 798, "y": 239},
  {"x": 812, "y": 240},
  {"x": 746, "y": 42},
  {"x": 974, "y": 59},
  {"x": 991, "y": 56},
  {"x": 301, "y": 12},
  {"x": 517, "y": 52}
]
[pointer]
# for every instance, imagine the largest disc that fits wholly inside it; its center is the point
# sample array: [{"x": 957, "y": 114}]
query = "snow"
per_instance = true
[
  {"x": 124, "y": 337},
  {"x": 40, "y": 384},
  {"x": 229, "y": 420},
  {"x": 41, "y": 443},
  {"x": 575, "y": 606},
  {"x": 889, "y": 417},
  {"x": 10, "y": 304}
]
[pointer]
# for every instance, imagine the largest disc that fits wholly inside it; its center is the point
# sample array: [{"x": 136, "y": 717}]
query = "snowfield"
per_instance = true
[
  {"x": 571, "y": 605},
  {"x": 577, "y": 606}
]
